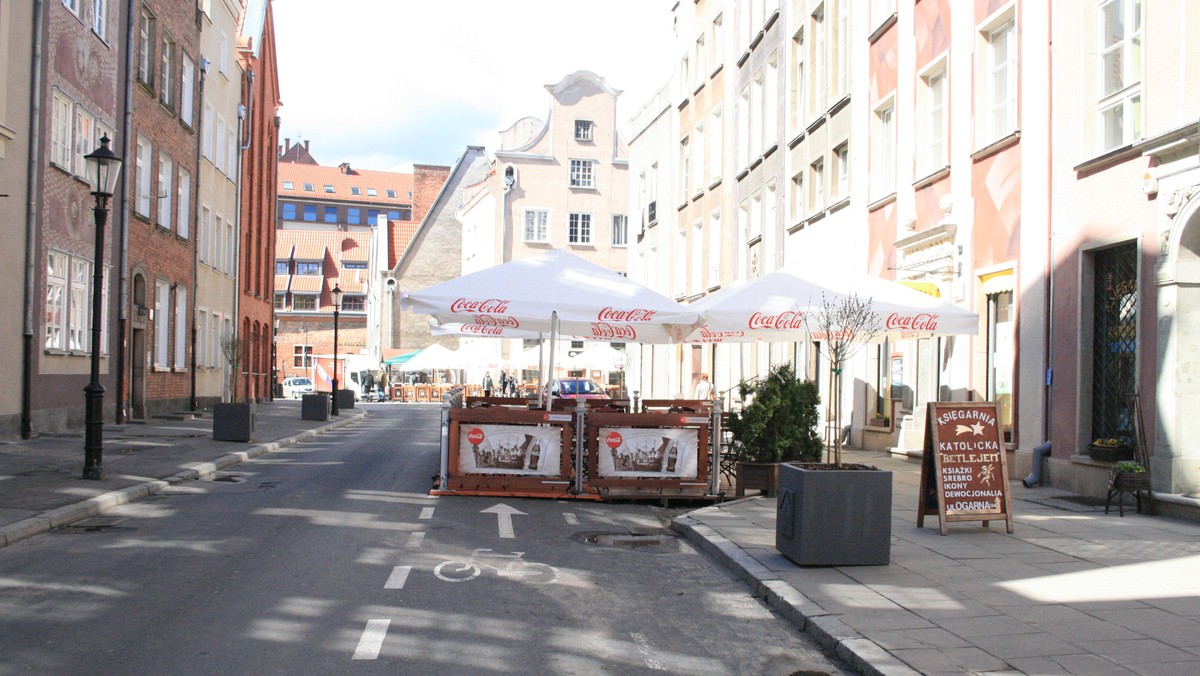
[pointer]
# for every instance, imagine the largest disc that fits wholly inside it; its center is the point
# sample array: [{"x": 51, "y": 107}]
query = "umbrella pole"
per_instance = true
[{"x": 550, "y": 367}]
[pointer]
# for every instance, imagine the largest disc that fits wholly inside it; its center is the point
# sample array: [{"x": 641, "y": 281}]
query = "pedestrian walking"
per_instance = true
[
  {"x": 487, "y": 384},
  {"x": 704, "y": 389}
]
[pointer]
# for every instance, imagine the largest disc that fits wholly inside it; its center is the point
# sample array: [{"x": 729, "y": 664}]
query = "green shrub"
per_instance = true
[{"x": 780, "y": 422}]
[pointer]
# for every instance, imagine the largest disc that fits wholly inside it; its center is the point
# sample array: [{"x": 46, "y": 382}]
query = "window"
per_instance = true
[
  {"x": 216, "y": 151},
  {"x": 700, "y": 69},
  {"x": 230, "y": 247},
  {"x": 78, "y": 325},
  {"x": 281, "y": 267},
  {"x": 287, "y": 185},
  {"x": 352, "y": 303},
  {"x": 181, "y": 324},
  {"x": 217, "y": 242},
  {"x": 187, "y": 82},
  {"x": 166, "y": 72},
  {"x": 355, "y": 190},
  {"x": 308, "y": 187},
  {"x": 86, "y": 139},
  {"x": 223, "y": 55},
  {"x": 583, "y": 130},
  {"x": 1115, "y": 349},
  {"x": 679, "y": 264},
  {"x": 998, "y": 97},
  {"x": 579, "y": 228},
  {"x": 798, "y": 82},
  {"x": 770, "y": 209},
  {"x": 61, "y": 117},
  {"x": 304, "y": 303},
  {"x": 280, "y": 297},
  {"x": 185, "y": 204},
  {"x": 581, "y": 174},
  {"x": 289, "y": 211},
  {"x": 353, "y": 215},
  {"x": 206, "y": 132},
  {"x": 537, "y": 222},
  {"x": 302, "y": 356},
  {"x": 372, "y": 193},
  {"x": 698, "y": 160},
  {"x": 771, "y": 104},
  {"x": 391, "y": 194},
  {"x": 797, "y": 204},
  {"x": 166, "y": 176},
  {"x": 204, "y": 234},
  {"x": 100, "y": 18},
  {"x": 145, "y": 55},
  {"x": 72, "y": 6},
  {"x": 308, "y": 268},
  {"x": 841, "y": 47},
  {"x": 620, "y": 230},
  {"x": 718, "y": 41},
  {"x": 393, "y": 215},
  {"x": 685, "y": 167},
  {"x": 819, "y": 81},
  {"x": 697, "y": 258},
  {"x": 883, "y": 154},
  {"x": 372, "y": 216},
  {"x": 310, "y": 213},
  {"x": 756, "y": 115},
  {"x": 56, "y": 296},
  {"x": 743, "y": 129},
  {"x": 715, "y": 155},
  {"x": 841, "y": 165},
  {"x": 331, "y": 215},
  {"x": 162, "y": 323},
  {"x": 141, "y": 187},
  {"x": 202, "y": 339},
  {"x": 931, "y": 132},
  {"x": 328, "y": 188},
  {"x": 816, "y": 185},
  {"x": 231, "y": 164},
  {"x": 714, "y": 248},
  {"x": 1120, "y": 51},
  {"x": 756, "y": 215}
]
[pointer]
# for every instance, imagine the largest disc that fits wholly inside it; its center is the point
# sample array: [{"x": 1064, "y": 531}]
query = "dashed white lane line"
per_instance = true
[
  {"x": 644, "y": 648},
  {"x": 426, "y": 513},
  {"x": 416, "y": 538},
  {"x": 572, "y": 520},
  {"x": 398, "y": 577},
  {"x": 372, "y": 640}
]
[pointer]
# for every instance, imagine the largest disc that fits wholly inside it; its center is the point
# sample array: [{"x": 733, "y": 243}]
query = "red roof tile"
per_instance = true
[{"x": 342, "y": 183}]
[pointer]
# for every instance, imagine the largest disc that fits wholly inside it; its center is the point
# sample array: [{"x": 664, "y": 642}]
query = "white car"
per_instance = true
[{"x": 293, "y": 388}]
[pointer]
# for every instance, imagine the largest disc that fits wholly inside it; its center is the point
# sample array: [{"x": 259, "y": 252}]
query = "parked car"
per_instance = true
[
  {"x": 577, "y": 388},
  {"x": 294, "y": 387}
]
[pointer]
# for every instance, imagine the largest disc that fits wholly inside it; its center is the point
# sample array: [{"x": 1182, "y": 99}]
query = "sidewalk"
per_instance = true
[
  {"x": 1071, "y": 591},
  {"x": 41, "y": 488}
]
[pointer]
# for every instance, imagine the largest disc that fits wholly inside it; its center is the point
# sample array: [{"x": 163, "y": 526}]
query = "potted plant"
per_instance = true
[
  {"x": 233, "y": 421},
  {"x": 779, "y": 424},
  {"x": 1128, "y": 475},
  {"x": 835, "y": 513},
  {"x": 1110, "y": 449}
]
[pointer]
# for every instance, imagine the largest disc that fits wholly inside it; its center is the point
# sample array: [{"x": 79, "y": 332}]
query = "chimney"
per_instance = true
[{"x": 305, "y": 145}]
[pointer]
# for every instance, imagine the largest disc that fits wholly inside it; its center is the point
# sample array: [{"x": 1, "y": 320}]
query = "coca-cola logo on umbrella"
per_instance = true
[
  {"x": 503, "y": 322},
  {"x": 610, "y": 314},
  {"x": 613, "y": 440},
  {"x": 475, "y": 436},
  {"x": 613, "y": 331},
  {"x": 924, "y": 321},
  {"x": 479, "y": 330},
  {"x": 485, "y": 306},
  {"x": 784, "y": 320}
]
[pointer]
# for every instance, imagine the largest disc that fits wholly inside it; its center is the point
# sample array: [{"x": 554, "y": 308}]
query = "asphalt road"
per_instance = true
[{"x": 329, "y": 556}]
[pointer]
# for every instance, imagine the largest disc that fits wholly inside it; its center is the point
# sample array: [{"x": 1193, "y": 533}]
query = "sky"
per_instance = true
[{"x": 384, "y": 84}]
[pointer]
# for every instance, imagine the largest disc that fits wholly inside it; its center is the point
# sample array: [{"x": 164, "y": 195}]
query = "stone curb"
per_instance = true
[
  {"x": 69, "y": 514},
  {"x": 859, "y": 652}
]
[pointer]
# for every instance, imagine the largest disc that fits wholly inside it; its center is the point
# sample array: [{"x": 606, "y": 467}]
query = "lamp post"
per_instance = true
[
  {"x": 337, "y": 306},
  {"x": 274, "y": 359},
  {"x": 103, "y": 169}
]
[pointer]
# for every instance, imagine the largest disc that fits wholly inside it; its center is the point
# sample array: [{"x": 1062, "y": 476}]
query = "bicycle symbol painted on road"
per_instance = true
[{"x": 510, "y": 565}]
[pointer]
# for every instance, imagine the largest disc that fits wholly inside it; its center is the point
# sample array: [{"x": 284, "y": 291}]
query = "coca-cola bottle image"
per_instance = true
[
  {"x": 672, "y": 458},
  {"x": 536, "y": 455}
]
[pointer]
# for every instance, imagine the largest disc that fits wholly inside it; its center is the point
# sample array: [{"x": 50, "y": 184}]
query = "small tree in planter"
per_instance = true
[
  {"x": 233, "y": 421},
  {"x": 779, "y": 424}
]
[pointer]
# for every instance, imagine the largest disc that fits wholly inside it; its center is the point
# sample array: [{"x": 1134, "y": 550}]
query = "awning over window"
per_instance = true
[
  {"x": 924, "y": 287},
  {"x": 401, "y": 358},
  {"x": 997, "y": 282}
]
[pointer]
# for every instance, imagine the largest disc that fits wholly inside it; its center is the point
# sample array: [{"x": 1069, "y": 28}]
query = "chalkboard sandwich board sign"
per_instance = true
[{"x": 964, "y": 474}]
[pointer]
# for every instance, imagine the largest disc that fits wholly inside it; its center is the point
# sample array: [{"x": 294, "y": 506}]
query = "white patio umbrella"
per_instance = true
[
  {"x": 432, "y": 358},
  {"x": 603, "y": 357},
  {"x": 774, "y": 307}
]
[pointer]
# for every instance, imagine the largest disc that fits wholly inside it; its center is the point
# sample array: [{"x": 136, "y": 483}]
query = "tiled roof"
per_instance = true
[
  {"x": 282, "y": 283},
  {"x": 341, "y": 183},
  {"x": 402, "y": 233},
  {"x": 307, "y": 283},
  {"x": 332, "y": 248},
  {"x": 305, "y": 245}
]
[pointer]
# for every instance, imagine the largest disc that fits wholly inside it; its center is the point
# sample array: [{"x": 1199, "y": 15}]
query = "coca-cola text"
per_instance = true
[
  {"x": 923, "y": 322},
  {"x": 784, "y": 320},
  {"x": 609, "y": 314},
  {"x": 486, "y": 306}
]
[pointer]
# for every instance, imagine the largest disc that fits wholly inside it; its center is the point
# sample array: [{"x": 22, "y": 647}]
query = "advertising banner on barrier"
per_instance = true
[
  {"x": 633, "y": 452},
  {"x": 523, "y": 450}
]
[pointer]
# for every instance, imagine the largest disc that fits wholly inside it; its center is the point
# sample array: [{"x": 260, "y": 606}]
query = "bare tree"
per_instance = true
[
  {"x": 839, "y": 329},
  {"x": 232, "y": 347}
]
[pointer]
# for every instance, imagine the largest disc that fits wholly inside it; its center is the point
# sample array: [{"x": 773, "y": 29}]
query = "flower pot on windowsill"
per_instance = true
[{"x": 1110, "y": 452}]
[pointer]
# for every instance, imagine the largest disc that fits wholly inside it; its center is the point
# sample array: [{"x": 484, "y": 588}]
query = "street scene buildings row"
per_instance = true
[{"x": 187, "y": 95}]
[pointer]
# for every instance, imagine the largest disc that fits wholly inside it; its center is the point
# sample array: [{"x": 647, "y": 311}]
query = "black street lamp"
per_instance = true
[
  {"x": 337, "y": 306},
  {"x": 274, "y": 359},
  {"x": 103, "y": 168}
]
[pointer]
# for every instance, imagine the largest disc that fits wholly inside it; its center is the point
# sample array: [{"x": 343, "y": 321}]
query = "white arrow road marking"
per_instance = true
[
  {"x": 372, "y": 640},
  {"x": 416, "y": 538},
  {"x": 644, "y": 648},
  {"x": 426, "y": 513},
  {"x": 398, "y": 577},
  {"x": 504, "y": 515},
  {"x": 572, "y": 520}
]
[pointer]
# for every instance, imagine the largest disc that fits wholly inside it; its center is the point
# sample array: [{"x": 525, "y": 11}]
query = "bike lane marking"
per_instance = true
[
  {"x": 571, "y": 519},
  {"x": 371, "y": 642},
  {"x": 415, "y": 539},
  {"x": 398, "y": 577},
  {"x": 643, "y": 646},
  {"x": 426, "y": 513}
]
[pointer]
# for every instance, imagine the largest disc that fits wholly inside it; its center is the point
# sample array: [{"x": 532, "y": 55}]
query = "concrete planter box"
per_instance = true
[
  {"x": 834, "y": 517},
  {"x": 233, "y": 422},
  {"x": 345, "y": 399},
  {"x": 314, "y": 406}
]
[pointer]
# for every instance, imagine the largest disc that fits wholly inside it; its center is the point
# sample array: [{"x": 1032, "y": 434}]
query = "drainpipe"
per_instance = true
[
  {"x": 195, "y": 405},
  {"x": 31, "y": 214},
  {"x": 237, "y": 253},
  {"x": 121, "y": 223}
]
